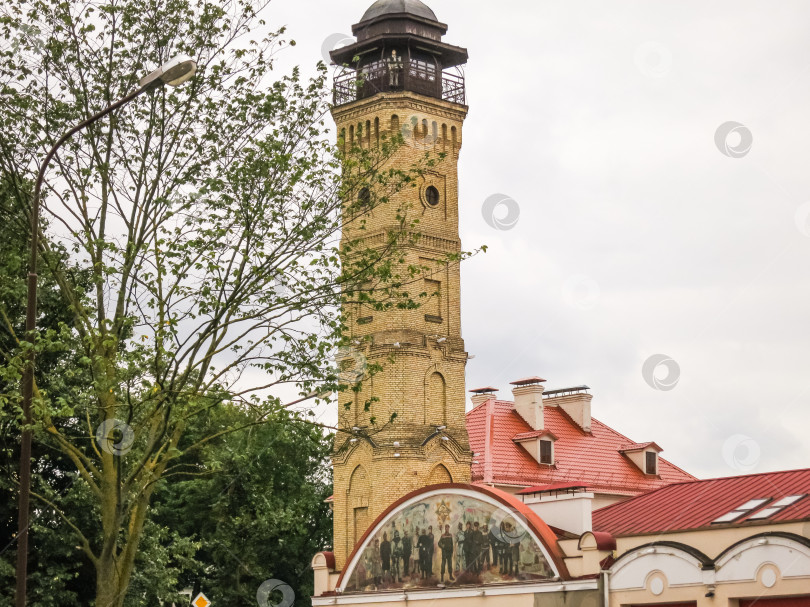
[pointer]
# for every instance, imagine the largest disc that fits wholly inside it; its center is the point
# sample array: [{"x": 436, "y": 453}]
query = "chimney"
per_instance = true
[
  {"x": 528, "y": 395},
  {"x": 482, "y": 395},
  {"x": 565, "y": 505},
  {"x": 576, "y": 402}
]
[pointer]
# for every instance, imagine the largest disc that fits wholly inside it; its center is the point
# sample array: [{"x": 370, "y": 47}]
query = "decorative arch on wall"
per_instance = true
[
  {"x": 679, "y": 563},
  {"x": 439, "y": 475},
  {"x": 437, "y": 394},
  {"x": 789, "y": 553},
  {"x": 448, "y": 505},
  {"x": 358, "y": 497}
]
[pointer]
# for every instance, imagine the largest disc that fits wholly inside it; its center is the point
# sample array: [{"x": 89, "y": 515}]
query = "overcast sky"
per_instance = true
[{"x": 637, "y": 236}]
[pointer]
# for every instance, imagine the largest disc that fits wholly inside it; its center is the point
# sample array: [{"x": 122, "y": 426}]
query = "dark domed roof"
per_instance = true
[{"x": 391, "y": 7}]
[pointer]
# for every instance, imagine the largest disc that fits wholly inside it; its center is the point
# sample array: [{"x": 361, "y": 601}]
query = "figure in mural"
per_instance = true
[
  {"x": 396, "y": 557},
  {"x": 376, "y": 568},
  {"x": 477, "y": 547},
  {"x": 497, "y": 549},
  {"x": 490, "y": 545},
  {"x": 431, "y": 548},
  {"x": 423, "y": 551},
  {"x": 485, "y": 562},
  {"x": 469, "y": 554},
  {"x": 407, "y": 547},
  {"x": 385, "y": 557},
  {"x": 461, "y": 564},
  {"x": 446, "y": 546}
]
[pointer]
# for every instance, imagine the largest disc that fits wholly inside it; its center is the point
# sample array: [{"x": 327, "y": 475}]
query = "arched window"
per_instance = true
[
  {"x": 368, "y": 133},
  {"x": 377, "y": 130},
  {"x": 394, "y": 122},
  {"x": 351, "y": 136},
  {"x": 444, "y": 137}
]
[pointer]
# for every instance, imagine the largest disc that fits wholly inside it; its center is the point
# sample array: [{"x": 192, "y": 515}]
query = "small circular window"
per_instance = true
[
  {"x": 364, "y": 197},
  {"x": 432, "y": 196}
]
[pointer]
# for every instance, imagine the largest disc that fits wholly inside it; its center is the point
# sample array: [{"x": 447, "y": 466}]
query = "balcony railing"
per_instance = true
[{"x": 382, "y": 77}]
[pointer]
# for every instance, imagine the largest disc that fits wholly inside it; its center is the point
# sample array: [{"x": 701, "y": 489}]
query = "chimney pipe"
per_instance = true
[
  {"x": 482, "y": 395},
  {"x": 576, "y": 402},
  {"x": 528, "y": 395}
]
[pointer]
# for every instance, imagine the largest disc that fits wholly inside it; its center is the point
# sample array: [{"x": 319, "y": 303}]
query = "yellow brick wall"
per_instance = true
[{"x": 370, "y": 471}]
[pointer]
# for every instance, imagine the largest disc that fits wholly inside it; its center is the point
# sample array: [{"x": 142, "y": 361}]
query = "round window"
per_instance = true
[{"x": 432, "y": 196}]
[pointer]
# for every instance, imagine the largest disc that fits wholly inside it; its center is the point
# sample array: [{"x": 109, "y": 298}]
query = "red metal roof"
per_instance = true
[
  {"x": 694, "y": 505},
  {"x": 588, "y": 458}
]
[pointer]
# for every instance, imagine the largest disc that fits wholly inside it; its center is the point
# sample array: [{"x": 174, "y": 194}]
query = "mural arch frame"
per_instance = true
[{"x": 536, "y": 531}]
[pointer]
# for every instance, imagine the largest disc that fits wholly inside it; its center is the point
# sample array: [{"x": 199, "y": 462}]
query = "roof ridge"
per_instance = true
[{"x": 750, "y": 474}]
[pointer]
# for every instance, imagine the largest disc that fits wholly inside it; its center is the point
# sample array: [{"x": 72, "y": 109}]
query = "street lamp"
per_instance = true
[{"x": 175, "y": 72}]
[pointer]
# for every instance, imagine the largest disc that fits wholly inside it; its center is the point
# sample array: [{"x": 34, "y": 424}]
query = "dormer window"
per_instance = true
[
  {"x": 651, "y": 462},
  {"x": 539, "y": 444},
  {"x": 546, "y": 451},
  {"x": 643, "y": 455}
]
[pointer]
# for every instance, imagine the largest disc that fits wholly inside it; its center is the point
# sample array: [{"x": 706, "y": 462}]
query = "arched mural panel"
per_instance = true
[{"x": 449, "y": 537}]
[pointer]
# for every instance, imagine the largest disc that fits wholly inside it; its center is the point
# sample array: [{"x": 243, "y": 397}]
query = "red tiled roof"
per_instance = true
[
  {"x": 588, "y": 458},
  {"x": 694, "y": 505}
]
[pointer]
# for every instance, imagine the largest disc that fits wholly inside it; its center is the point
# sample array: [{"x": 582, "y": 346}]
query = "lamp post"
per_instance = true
[{"x": 173, "y": 73}]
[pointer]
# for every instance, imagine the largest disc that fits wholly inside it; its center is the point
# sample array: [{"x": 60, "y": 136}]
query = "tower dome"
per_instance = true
[{"x": 395, "y": 7}]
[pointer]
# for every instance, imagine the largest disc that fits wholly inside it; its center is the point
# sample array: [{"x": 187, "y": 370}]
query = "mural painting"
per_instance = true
[{"x": 448, "y": 540}]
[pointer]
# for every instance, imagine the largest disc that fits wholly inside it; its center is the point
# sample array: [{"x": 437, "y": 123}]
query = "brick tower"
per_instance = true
[{"x": 394, "y": 80}]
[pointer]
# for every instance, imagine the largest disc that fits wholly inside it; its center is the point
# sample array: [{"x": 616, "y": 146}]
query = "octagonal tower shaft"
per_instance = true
[{"x": 421, "y": 351}]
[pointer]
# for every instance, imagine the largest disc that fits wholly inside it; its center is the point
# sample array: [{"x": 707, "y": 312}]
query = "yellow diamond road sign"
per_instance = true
[{"x": 201, "y": 601}]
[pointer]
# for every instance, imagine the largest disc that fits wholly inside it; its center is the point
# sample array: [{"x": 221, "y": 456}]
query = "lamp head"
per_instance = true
[{"x": 174, "y": 72}]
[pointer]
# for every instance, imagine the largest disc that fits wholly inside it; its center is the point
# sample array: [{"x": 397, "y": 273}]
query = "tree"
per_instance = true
[
  {"x": 209, "y": 220},
  {"x": 258, "y": 514},
  {"x": 55, "y": 579}
]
